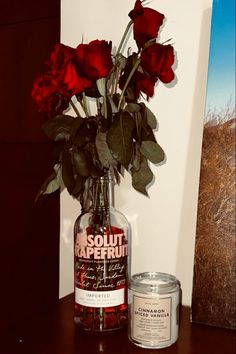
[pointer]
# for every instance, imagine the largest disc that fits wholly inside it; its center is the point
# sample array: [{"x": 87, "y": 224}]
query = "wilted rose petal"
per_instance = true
[
  {"x": 157, "y": 61},
  {"x": 146, "y": 23}
]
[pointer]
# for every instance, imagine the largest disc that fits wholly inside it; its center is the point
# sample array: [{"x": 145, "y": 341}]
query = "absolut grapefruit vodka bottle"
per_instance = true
[{"x": 101, "y": 263}]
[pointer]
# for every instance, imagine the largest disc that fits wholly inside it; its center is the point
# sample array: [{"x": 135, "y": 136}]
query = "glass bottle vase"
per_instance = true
[{"x": 101, "y": 266}]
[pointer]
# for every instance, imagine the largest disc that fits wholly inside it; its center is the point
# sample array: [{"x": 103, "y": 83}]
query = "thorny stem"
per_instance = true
[
  {"x": 116, "y": 56},
  {"x": 124, "y": 37},
  {"x": 75, "y": 108},
  {"x": 98, "y": 106},
  {"x": 115, "y": 82},
  {"x": 105, "y": 106},
  {"x": 83, "y": 106},
  {"x": 127, "y": 82}
]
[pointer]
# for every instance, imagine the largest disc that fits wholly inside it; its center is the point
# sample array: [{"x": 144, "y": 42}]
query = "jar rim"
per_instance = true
[{"x": 154, "y": 282}]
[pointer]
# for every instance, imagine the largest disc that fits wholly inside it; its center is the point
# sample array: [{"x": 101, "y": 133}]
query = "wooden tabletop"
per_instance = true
[{"x": 54, "y": 333}]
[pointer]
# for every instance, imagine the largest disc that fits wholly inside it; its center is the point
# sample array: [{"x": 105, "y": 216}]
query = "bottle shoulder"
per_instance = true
[
  {"x": 118, "y": 212},
  {"x": 91, "y": 211},
  {"x": 115, "y": 216},
  {"x": 83, "y": 216}
]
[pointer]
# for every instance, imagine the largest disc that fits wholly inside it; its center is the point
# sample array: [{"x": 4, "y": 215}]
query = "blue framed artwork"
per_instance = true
[{"x": 214, "y": 280}]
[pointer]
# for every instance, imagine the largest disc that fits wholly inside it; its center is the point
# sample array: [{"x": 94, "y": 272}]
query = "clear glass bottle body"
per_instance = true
[{"x": 101, "y": 264}]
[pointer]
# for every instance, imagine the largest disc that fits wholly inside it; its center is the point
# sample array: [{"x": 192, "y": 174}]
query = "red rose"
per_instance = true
[
  {"x": 75, "y": 83},
  {"x": 59, "y": 58},
  {"x": 65, "y": 70},
  {"x": 144, "y": 83},
  {"x": 146, "y": 23},
  {"x": 140, "y": 82},
  {"x": 94, "y": 59},
  {"x": 48, "y": 99},
  {"x": 157, "y": 61}
]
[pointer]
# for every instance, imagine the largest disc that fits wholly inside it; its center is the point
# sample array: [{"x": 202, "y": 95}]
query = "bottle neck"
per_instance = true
[{"x": 103, "y": 193}]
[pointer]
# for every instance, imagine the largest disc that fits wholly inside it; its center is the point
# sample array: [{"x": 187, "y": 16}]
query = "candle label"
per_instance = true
[{"x": 151, "y": 319}]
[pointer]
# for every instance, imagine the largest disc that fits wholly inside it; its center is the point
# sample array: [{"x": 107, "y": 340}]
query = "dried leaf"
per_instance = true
[
  {"x": 137, "y": 158},
  {"x": 147, "y": 133},
  {"x": 101, "y": 85},
  {"x": 58, "y": 128},
  {"x": 112, "y": 104},
  {"x": 151, "y": 118},
  {"x": 121, "y": 61},
  {"x": 78, "y": 121},
  {"x": 86, "y": 132},
  {"x": 152, "y": 151},
  {"x": 142, "y": 177},
  {"x": 132, "y": 107},
  {"x": 79, "y": 186},
  {"x": 120, "y": 138},
  {"x": 103, "y": 151},
  {"x": 81, "y": 164}
]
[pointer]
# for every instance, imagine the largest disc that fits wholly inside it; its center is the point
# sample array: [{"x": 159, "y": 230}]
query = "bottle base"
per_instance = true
[
  {"x": 152, "y": 345},
  {"x": 107, "y": 331},
  {"x": 80, "y": 327}
]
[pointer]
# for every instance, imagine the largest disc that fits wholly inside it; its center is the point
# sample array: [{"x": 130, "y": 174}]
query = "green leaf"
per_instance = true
[
  {"x": 103, "y": 151},
  {"x": 116, "y": 98},
  {"x": 81, "y": 164},
  {"x": 138, "y": 125},
  {"x": 137, "y": 158},
  {"x": 142, "y": 177},
  {"x": 79, "y": 186},
  {"x": 58, "y": 128},
  {"x": 101, "y": 85},
  {"x": 77, "y": 123},
  {"x": 151, "y": 118},
  {"x": 52, "y": 186},
  {"x": 132, "y": 107},
  {"x": 120, "y": 138},
  {"x": 112, "y": 104},
  {"x": 147, "y": 133},
  {"x": 86, "y": 133},
  {"x": 121, "y": 61},
  {"x": 152, "y": 151}
]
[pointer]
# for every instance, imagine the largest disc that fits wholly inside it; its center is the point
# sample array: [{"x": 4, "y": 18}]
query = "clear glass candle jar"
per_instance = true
[{"x": 154, "y": 300}]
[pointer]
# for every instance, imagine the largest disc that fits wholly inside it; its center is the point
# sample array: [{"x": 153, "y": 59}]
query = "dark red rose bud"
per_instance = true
[
  {"x": 94, "y": 59},
  {"x": 59, "y": 58},
  {"x": 140, "y": 82},
  {"x": 65, "y": 70},
  {"x": 144, "y": 83},
  {"x": 157, "y": 61},
  {"x": 146, "y": 23}
]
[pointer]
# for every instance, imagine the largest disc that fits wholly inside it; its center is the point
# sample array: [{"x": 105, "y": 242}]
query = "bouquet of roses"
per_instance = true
[{"x": 120, "y": 134}]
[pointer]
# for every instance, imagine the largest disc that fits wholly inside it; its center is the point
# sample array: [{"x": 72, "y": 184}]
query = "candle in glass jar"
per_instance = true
[{"x": 154, "y": 309}]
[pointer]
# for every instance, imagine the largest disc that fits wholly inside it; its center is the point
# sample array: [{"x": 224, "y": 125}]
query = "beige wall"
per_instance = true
[{"x": 163, "y": 226}]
